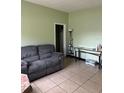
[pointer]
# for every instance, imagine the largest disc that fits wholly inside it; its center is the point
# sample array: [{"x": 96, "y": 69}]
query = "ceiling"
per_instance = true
[{"x": 68, "y": 5}]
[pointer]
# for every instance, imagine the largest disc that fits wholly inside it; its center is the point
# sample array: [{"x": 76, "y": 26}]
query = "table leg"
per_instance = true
[
  {"x": 79, "y": 54},
  {"x": 100, "y": 63},
  {"x": 75, "y": 55}
]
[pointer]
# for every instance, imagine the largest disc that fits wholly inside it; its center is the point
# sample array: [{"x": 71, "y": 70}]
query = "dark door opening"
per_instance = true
[{"x": 59, "y": 38}]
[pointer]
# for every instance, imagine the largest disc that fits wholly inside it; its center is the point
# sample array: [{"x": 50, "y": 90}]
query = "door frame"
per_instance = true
[{"x": 64, "y": 36}]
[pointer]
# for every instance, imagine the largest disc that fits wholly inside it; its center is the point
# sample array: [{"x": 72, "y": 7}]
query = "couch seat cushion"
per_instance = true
[
  {"x": 31, "y": 59},
  {"x": 52, "y": 61},
  {"x": 37, "y": 66},
  {"x": 47, "y": 55}
]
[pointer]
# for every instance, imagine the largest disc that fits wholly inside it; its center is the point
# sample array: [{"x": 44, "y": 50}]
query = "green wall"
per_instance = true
[
  {"x": 37, "y": 23},
  {"x": 87, "y": 25}
]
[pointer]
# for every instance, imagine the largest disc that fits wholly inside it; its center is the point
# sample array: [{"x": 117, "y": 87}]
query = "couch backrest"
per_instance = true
[
  {"x": 45, "y": 50},
  {"x": 29, "y": 53},
  {"x": 33, "y": 53}
]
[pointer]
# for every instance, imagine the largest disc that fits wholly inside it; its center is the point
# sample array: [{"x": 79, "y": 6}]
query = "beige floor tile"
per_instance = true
[
  {"x": 79, "y": 68},
  {"x": 81, "y": 90},
  {"x": 70, "y": 67},
  {"x": 78, "y": 80},
  {"x": 75, "y": 70},
  {"x": 67, "y": 74},
  {"x": 91, "y": 87},
  {"x": 69, "y": 86},
  {"x": 92, "y": 69},
  {"x": 53, "y": 74},
  {"x": 35, "y": 89},
  {"x": 56, "y": 90},
  {"x": 83, "y": 65},
  {"x": 99, "y": 73},
  {"x": 97, "y": 78},
  {"x": 58, "y": 79},
  {"x": 86, "y": 74},
  {"x": 38, "y": 81},
  {"x": 100, "y": 91},
  {"x": 88, "y": 67},
  {"x": 44, "y": 84}
]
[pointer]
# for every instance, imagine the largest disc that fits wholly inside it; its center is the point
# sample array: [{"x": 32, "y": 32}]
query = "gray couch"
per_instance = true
[{"x": 40, "y": 60}]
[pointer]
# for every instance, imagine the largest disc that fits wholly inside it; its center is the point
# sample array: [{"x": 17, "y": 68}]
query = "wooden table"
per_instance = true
[{"x": 92, "y": 51}]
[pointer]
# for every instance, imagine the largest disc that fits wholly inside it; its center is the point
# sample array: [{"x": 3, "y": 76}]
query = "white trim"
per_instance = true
[{"x": 64, "y": 36}]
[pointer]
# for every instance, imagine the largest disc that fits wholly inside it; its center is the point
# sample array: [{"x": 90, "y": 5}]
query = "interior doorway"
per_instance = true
[{"x": 59, "y": 37}]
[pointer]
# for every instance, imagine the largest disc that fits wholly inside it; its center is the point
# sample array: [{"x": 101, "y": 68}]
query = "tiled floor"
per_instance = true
[{"x": 76, "y": 77}]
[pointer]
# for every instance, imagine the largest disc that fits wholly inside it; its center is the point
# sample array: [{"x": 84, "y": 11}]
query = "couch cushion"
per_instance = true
[
  {"x": 37, "y": 66},
  {"x": 47, "y": 55},
  {"x": 28, "y": 51},
  {"x": 58, "y": 54},
  {"x": 31, "y": 59},
  {"x": 36, "y": 75},
  {"x": 52, "y": 61},
  {"x": 43, "y": 49},
  {"x": 24, "y": 67},
  {"x": 23, "y": 63},
  {"x": 53, "y": 69}
]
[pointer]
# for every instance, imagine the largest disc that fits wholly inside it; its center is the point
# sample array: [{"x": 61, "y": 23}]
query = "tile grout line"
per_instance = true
[
  {"x": 89, "y": 79},
  {"x": 57, "y": 85},
  {"x": 38, "y": 87},
  {"x": 49, "y": 89},
  {"x": 77, "y": 83},
  {"x": 65, "y": 80},
  {"x": 84, "y": 82},
  {"x": 62, "y": 88}
]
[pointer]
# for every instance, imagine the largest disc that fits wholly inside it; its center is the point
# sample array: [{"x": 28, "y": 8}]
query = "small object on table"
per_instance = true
[{"x": 25, "y": 84}]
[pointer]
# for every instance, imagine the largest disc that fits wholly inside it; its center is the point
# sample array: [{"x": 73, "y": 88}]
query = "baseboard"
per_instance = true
[{"x": 76, "y": 57}]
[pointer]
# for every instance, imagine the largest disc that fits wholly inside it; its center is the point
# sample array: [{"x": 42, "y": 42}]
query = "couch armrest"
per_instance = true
[
  {"x": 58, "y": 54},
  {"x": 60, "y": 57},
  {"x": 24, "y": 67}
]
